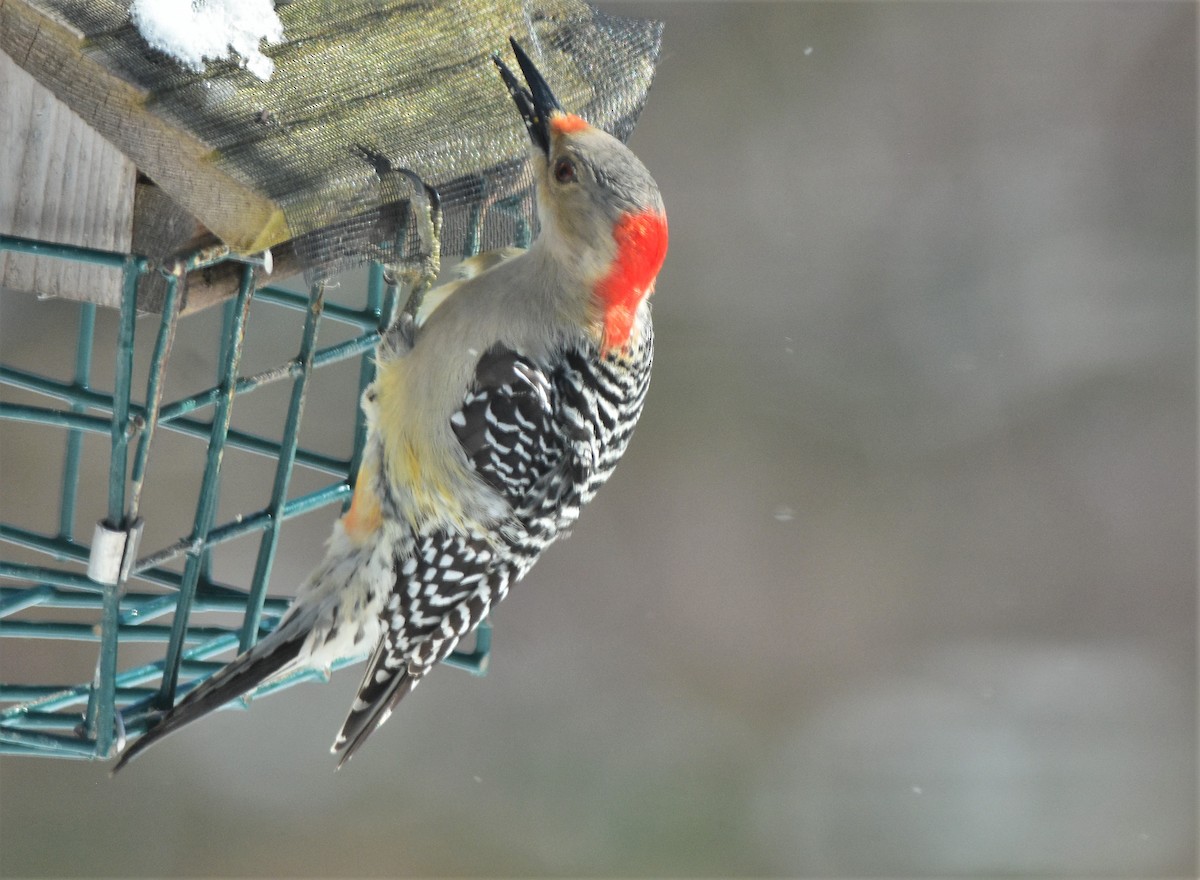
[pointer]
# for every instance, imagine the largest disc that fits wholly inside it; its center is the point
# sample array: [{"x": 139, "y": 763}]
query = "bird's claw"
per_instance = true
[
  {"x": 381, "y": 163},
  {"x": 419, "y": 274},
  {"x": 426, "y": 207},
  {"x": 400, "y": 337}
]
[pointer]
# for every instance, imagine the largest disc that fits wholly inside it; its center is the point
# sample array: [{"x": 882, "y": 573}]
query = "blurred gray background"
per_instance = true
[{"x": 899, "y": 575}]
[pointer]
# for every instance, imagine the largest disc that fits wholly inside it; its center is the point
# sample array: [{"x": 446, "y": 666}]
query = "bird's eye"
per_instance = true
[{"x": 564, "y": 170}]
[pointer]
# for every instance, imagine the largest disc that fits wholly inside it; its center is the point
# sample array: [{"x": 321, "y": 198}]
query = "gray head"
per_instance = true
[{"x": 589, "y": 184}]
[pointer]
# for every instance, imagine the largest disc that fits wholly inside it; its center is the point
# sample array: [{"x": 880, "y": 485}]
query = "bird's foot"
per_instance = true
[{"x": 401, "y": 185}]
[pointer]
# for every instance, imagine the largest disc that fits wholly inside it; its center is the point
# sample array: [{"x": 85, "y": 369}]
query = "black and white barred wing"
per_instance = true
[
  {"x": 508, "y": 430},
  {"x": 448, "y": 581},
  {"x": 444, "y": 588}
]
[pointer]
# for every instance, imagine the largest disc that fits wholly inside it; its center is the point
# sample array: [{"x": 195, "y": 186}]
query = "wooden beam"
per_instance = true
[
  {"x": 63, "y": 183},
  {"x": 164, "y": 232},
  {"x": 173, "y": 157}
]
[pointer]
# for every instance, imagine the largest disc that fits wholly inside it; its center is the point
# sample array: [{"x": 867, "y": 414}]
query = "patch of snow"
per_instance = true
[{"x": 195, "y": 31}]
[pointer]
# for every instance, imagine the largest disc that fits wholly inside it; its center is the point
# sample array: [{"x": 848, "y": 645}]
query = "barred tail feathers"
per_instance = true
[{"x": 382, "y": 688}]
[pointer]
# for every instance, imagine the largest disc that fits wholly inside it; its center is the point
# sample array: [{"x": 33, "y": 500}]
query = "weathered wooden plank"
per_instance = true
[
  {"x": 164, "y": 231},
  {"x": 62, "y": 183},
  {"x": 177, "y": 161},
  {"x": 412, "y": 81}
]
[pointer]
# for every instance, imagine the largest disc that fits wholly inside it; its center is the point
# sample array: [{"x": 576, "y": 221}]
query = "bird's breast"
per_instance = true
[{"x": 425, "y": 477}]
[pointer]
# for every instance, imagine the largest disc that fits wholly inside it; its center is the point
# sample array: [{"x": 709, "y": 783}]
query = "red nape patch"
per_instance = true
[
  {"x": 641, "y": 248},
  {"x": 565, "y": 123}
]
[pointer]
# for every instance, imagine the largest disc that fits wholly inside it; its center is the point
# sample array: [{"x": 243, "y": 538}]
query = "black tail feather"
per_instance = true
[
  {"x": 361, "y": 723},
  {"x": 381, "y": 689},
  {"x": 242, "y": 675}
]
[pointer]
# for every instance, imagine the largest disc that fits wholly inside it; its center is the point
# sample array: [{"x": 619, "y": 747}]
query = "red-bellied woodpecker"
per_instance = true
[{"x": 498, "y": 410}]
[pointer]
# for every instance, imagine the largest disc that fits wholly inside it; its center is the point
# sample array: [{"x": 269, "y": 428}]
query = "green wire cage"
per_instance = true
[{"x": 110, "y": 591}]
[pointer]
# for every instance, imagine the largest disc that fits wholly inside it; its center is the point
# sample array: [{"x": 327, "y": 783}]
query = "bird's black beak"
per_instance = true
[{"x": 536, "y": 103}]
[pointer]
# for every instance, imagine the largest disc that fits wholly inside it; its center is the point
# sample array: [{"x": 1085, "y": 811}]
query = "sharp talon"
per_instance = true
[
  {"x": 381, "y": 163},
  {"x": 426, "y": 206},
  {"x": 400, "y": 337}
]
